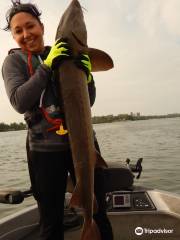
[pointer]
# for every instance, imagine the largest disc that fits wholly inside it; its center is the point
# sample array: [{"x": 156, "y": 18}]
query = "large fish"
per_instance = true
[{"x": 74, "y": 91}]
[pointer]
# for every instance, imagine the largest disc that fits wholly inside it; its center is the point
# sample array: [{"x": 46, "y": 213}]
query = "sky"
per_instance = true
[{"x": 143, "y": 39}]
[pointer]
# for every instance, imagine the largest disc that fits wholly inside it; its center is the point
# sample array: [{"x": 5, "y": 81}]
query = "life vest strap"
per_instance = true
[{"x": 56, "y": 122}]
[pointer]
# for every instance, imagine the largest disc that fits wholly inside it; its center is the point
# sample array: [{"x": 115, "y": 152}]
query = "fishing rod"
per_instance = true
[{"x": 14, "y": 196}]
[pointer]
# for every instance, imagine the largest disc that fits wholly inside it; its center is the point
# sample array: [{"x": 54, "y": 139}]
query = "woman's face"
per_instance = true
[{"x": 28, "y": 32}]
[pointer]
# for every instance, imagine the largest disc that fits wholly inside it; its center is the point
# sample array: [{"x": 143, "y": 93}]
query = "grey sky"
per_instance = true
[{"x": 142, "y": 37}]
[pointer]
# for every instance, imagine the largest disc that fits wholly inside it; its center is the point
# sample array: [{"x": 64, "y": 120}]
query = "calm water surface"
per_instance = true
[{"x": 157, "y": 141}]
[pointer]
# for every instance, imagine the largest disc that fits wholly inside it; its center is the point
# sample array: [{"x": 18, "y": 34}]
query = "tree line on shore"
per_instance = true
[
  {"x": 95, "y": 120},
  {"x": 130, "y": 117},
  {"x": 12, "y": 127}
]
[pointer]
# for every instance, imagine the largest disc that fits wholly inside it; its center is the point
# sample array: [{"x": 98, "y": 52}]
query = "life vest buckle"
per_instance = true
[{"x": 61, "y": 130}]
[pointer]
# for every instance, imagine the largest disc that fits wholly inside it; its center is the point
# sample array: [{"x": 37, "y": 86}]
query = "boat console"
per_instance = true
[
  {"x": 137, "y": 212},
  {"x": 129, "y": 201},
  {"x": 122, "y": 195}
]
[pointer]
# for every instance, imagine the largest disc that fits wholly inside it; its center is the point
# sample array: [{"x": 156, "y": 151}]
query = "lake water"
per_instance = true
[{"x": 157, "y": 141}]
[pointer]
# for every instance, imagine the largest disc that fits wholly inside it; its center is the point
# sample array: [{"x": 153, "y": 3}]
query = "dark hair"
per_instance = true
[{"x": 18, "y": 7}]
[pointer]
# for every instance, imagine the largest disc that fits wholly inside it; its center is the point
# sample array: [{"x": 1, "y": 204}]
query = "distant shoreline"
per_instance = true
[
  {"x": 95, "y": 120},
  {"x": 130, "y": 117}
]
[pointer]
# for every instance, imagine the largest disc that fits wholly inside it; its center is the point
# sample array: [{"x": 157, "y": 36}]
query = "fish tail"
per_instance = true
[{"x": 90, "y": 231}]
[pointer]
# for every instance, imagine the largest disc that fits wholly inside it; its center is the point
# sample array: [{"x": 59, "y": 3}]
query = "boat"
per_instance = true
[{"x": 135, "y": 212}]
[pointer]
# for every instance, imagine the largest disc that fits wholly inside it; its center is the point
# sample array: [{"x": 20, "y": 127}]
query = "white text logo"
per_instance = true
[{"x": 139, "y": 231}]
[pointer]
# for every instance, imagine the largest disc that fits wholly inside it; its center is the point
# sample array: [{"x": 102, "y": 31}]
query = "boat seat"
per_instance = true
[
  {"x": 116, "y": 178},
  {"x": 120, "y": 178}
]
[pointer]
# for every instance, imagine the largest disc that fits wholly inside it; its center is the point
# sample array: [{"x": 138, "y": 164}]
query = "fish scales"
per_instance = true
[{"x": 74, "y": 91}]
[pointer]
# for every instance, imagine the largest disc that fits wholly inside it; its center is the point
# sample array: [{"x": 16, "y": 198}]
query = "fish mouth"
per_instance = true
[{"x": 78, "y": 40}]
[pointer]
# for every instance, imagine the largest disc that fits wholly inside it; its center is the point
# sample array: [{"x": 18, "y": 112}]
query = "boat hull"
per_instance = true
[{"x": 152, "y": 214}]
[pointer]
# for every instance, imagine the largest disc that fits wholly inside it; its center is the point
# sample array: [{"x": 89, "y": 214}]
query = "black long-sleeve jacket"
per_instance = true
[{"x": 25, "y": 91}]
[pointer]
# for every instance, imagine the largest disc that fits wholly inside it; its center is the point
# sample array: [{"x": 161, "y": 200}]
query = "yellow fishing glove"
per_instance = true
[
  {"x": 59, "y": 52},
  {"x": 83, "y": 62}
]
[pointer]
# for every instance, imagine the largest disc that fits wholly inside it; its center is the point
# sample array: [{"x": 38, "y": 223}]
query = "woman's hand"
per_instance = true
[
  {"x": 84, "y": 63},
  {"x": 59, "y": 52}
]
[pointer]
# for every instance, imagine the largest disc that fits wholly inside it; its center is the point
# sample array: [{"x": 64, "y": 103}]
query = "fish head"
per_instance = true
[{"x": 72, "y": 27}]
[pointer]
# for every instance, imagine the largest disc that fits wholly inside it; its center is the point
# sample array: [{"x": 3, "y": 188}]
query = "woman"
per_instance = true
[{"x": 29, "y": 74}]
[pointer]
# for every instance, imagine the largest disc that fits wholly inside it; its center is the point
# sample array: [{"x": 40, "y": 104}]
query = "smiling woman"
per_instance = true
[
  {"x": 26, "y": 28},
  {"x": 31, "y": 82},
  {"x": 27, "y": 32}
]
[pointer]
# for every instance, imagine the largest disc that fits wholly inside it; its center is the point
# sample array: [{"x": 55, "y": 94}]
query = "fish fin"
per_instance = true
[
  {"x": 75, "y": 199},
  {"x": 100, "y": 60},
  {"x": 100, "y": 162},
  {"x": 90, "y": 231}
]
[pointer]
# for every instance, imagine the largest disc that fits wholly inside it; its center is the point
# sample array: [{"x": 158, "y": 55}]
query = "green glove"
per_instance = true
[
  {"x": 59, "y": 51},
  {"x": 84, "y": 63}
]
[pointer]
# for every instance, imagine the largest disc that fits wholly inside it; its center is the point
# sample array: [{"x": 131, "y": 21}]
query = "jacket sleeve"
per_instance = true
[
  {"x": 92, "y": 91},
  {"x": 23, "y": 91}
]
